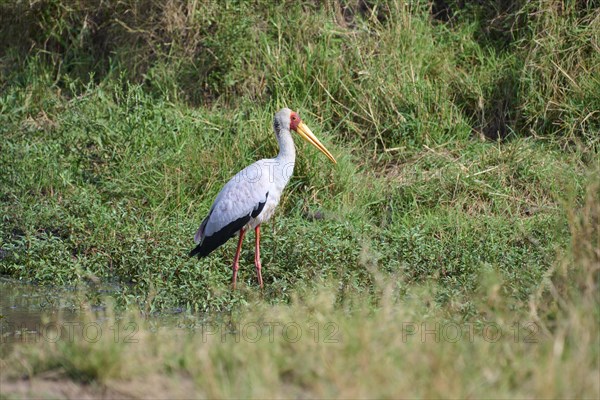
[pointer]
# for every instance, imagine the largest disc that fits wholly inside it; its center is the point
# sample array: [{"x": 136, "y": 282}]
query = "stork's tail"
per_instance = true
[
  {"x": 199, "y": 239},
  {"x": 209, "y": 244},
  {"x": 197, "y": 251}
]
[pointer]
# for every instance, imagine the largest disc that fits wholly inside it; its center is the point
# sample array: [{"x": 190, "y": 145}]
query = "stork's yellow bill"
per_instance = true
[{"x": 306, "y": 134}]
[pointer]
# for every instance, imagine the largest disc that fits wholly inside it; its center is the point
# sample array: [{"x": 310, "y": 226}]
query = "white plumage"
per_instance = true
[
  {"x": 251, "y": 196},
  {"x": 243, "y": 194}
]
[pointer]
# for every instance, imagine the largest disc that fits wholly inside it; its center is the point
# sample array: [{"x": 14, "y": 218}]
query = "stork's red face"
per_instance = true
[
  {"x": 294, "y": 121},
  {"x": 300, "y": 127}
]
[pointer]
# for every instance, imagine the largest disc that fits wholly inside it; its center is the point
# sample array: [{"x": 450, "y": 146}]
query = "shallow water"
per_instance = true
[{"x": 31, "y": 313}]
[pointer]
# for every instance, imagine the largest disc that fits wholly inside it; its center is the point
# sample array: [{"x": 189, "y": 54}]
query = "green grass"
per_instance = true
[
  {"x": 466, "y": 149},
  {"x": 116, "y": 183}
]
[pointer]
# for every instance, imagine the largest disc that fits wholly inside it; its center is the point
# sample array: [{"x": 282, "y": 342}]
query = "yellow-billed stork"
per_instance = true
[{"x": 251, "y": 196}]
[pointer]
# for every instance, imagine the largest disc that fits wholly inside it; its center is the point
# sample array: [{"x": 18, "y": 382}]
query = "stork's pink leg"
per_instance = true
[
  {"x": 236, "y": 260},
  {"x": 257, "y": 256}
]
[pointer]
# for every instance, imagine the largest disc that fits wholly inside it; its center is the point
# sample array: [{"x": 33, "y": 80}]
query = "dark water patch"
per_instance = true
[{"x": 31, "y": 313}]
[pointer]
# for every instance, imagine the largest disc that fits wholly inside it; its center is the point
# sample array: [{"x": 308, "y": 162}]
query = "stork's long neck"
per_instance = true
[
  {"x": 287, "y": 150},
  {"x": 285, "y": 160}
]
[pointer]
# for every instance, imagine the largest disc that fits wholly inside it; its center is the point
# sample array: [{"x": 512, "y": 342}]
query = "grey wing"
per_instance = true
[{"x": 242, "y": 198}]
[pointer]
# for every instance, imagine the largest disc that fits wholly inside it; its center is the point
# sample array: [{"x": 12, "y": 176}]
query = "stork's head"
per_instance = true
[{"x": 287, "y": 120}]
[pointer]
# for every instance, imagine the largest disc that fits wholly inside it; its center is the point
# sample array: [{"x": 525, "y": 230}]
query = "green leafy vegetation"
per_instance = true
[{"x": 465, "y": 190}]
